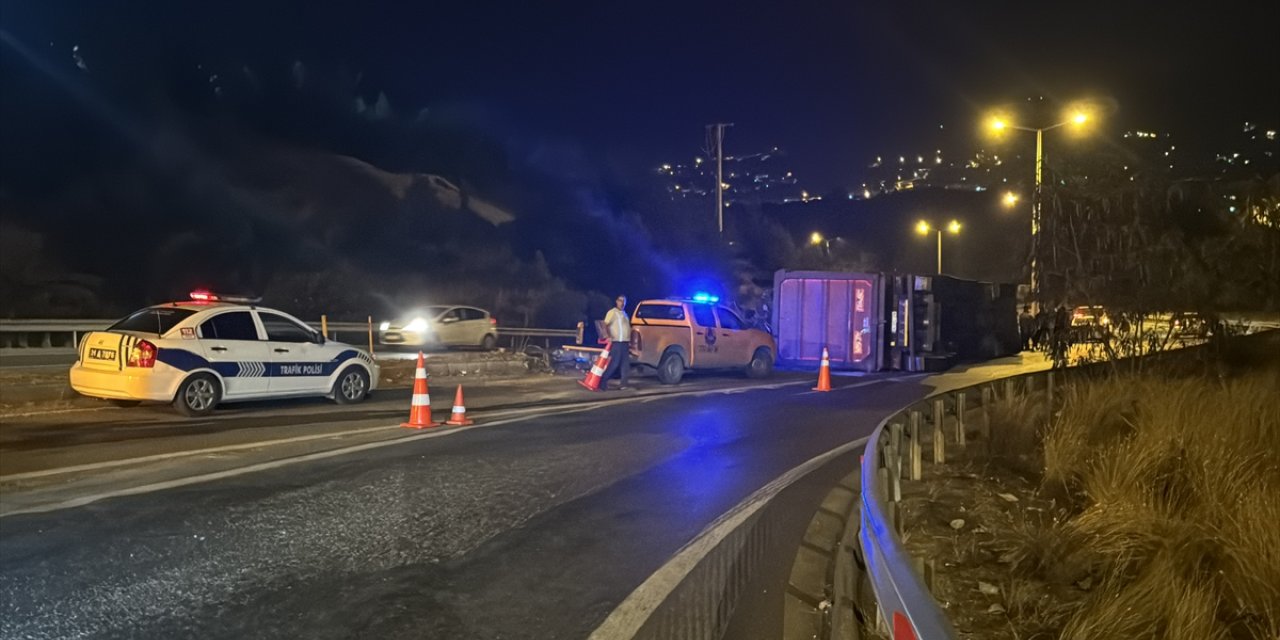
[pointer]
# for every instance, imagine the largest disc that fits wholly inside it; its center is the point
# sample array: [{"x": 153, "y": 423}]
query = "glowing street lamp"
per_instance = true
[
  {"x": 923, "y": 228},
  {"x": 1077, "y": 117},
  {"x": 815, "y": 238},
  {"x": 1010, "y": 199}
]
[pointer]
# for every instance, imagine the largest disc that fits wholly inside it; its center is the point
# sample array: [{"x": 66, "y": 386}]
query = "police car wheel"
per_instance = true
[
  {"x": 761, "y": 365},
  {"x": 352, "y": 386},
  {"x": 198, "y": 395}
]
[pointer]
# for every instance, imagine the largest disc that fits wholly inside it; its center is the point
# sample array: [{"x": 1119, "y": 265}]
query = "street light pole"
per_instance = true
[
  {"x": 1035, "y": 218},
  {"x": 939, "y": 251},
  {"x": 1037, "y": 200},
  {"x": 923, "y": 228}
]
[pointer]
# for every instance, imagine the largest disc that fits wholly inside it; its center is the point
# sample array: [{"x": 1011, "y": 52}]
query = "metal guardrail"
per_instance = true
[
  {"x": 906, "y": 608},
  {"x": 52, "y": 332}
]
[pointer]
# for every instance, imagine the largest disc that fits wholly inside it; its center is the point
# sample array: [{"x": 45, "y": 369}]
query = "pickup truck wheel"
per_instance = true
[
  {"x": 761, "y": 365},
  {"x": 670, "y": 368}
]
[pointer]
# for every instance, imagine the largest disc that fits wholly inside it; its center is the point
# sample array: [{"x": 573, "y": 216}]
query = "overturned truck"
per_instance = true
[{"x": 877, "y": 321}]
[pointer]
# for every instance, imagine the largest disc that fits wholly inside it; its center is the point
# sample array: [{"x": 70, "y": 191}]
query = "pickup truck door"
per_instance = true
[
  {"x": 733, "y": 339},
  {"x": 706, "y": 338}
]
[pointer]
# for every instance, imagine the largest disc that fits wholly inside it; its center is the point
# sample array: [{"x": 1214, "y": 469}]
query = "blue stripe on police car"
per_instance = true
[{"x": 187, "y": 361}]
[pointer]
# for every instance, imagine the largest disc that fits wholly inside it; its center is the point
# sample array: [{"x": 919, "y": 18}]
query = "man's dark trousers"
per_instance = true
[{"x": 619, "y": 362}]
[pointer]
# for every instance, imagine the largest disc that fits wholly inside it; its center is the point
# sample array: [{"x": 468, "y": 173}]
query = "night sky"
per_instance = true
[{"x": 631, "y": 85}]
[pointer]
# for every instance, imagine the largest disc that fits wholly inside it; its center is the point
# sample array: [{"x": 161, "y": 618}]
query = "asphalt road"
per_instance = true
[{"x": 536, "y": 523}]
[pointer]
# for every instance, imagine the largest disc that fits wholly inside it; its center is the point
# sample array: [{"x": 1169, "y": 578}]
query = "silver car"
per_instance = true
[{"x": 442, "y": 326}]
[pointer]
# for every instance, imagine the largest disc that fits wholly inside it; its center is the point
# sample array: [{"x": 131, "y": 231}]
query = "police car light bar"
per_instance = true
[
  {"x": 705, "y": 297},
  {"x": 201, "y": 295}
]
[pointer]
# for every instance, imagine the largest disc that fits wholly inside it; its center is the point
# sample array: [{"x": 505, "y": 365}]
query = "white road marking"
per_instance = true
[
  {"x": 849, "y": 386},
  {"x": 629, "y": 616},
  {"x": 108, "y": 464},
  {"x": 261, "y": 466},
  {"x": 534, "y": 412}
]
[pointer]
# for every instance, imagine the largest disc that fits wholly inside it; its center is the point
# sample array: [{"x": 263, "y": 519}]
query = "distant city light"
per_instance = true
[{"x": 1010, "y": 198}]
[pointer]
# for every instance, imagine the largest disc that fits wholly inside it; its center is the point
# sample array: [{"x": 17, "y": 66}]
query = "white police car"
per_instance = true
[{"x": 212, "y": 349}]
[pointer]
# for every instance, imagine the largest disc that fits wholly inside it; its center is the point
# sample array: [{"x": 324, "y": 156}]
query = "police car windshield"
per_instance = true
[{"x": 157, "y": 320}]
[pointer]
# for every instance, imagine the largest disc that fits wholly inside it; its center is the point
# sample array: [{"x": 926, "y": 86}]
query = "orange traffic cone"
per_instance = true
[
  {"x": 592, "y": 381},
  {"x": 459, "y": 417},
  {"x": 420, "y": 408},
  {"x": 824, "y": 374}
]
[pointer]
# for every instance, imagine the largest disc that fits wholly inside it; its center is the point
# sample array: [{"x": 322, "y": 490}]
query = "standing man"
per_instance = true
[
  {"x": 618, "y": 326},
  {"x": 1026, "y": 327}
]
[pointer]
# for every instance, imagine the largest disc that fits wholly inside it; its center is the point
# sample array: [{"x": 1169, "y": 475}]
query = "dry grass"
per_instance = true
[
  {"x": 1015, "y": 436},
  {"x": 1169, "y": 509}
]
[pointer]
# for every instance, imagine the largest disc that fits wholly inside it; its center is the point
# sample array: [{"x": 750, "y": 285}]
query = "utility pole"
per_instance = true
[{"x": 715, "y": 136}]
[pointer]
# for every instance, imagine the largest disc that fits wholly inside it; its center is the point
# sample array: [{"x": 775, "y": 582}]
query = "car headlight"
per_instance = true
[
  {"x": 417, "y": 325},
  {"x": 384, "y": 326}
]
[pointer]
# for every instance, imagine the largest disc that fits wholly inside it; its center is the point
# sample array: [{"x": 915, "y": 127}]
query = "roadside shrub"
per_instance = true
[
  {"x": 1159, "y": 603},
  {"x": 1095, "y": 416},
  {"x": 1176, "y": 481},
  {"x": 1014, "y": 441}
]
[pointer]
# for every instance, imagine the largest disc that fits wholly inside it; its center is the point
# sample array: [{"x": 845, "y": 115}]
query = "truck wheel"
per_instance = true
[
  {"x": 198, "y": 395},
  {"x": 351, "y": 387},
  {"x": 761, "y": 365},
  {"x": 670, "y": 368}
]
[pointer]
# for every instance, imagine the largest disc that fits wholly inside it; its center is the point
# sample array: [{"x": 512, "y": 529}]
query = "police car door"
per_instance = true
[
  {"x": 297, "y": 357},
  {"x": 234, "y": 348}
]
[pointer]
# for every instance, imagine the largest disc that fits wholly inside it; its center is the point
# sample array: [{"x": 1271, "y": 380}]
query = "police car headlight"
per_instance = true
[
  {"x": 384, "y": 326},
  {"x": 418, "y": 324}
]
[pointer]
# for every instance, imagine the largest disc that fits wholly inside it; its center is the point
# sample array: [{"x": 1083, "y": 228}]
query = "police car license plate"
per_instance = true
[{"x": 102, "y": 354}]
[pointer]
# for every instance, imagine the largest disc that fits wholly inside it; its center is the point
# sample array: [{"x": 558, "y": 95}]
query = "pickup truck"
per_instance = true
[{"x": 672, "y": 335}]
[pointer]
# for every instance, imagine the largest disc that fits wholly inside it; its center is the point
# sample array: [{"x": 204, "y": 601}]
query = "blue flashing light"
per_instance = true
[{"x": 705, "y": 297}]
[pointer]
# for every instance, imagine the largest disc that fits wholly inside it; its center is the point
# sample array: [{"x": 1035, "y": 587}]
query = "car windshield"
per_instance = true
[{"x": 157, "y": 320}]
